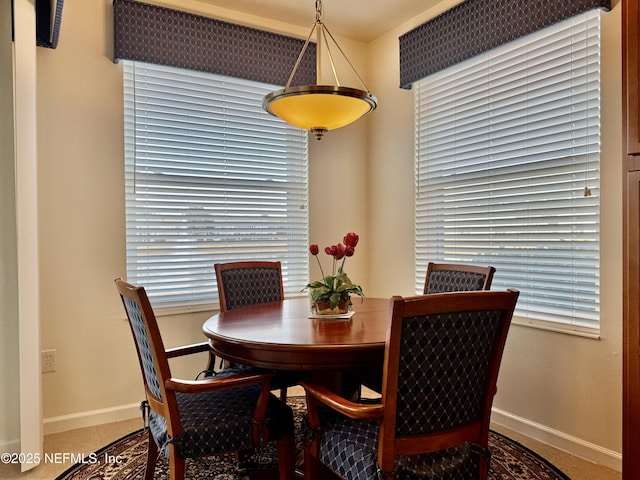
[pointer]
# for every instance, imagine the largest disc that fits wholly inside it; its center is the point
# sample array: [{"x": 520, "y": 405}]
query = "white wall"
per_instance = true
[
  {"x": 9, "y": 397},
  {"x": 361, "y": 179},
  {"x": 577, "y": 385},
  {"x": 560, "y": 388},
  {"x": 82, "y": 236}
]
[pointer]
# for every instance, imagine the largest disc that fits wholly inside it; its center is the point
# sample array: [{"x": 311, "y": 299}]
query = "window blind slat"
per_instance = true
[
  {"x": 505, "y": 144},
  {"x": 210, "y": 178}
]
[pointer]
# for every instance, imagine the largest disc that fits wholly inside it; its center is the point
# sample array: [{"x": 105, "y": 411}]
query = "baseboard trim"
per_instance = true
[
  {"x": 573, "y": 445},
  {"x": 91, "y": 418},
  {"x": 560, "y": 440},
  {"x": 10, "y": 446}
]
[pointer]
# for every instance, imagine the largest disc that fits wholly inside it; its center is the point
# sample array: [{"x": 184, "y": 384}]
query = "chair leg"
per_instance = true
[
  {"x": 283, "y": 394},
  {"x": 211, "y": 366},
  {"x": 286, "y": 457},
  {"x": 242, "y": 463},
  {"x": 152, "y": 457},
  {"x": 176, "y": 465},
  {"x": 484, "y": 468},
  {"x": 312, "y": 464}
]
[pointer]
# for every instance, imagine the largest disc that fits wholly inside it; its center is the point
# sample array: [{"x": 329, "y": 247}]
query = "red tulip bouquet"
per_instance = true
[{"x": 332, "y": 294}]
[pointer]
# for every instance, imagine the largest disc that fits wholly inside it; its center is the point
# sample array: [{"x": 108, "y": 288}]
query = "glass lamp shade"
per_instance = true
[{"x": 319, "y": 107}]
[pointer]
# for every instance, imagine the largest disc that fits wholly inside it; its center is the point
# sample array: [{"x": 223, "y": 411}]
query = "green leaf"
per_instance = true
[{"x": 334, "y": 288}]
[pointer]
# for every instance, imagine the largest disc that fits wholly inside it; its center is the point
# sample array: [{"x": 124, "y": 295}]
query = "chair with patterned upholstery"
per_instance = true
[
  {"x": 249, "y": 283},
  {"x": 188, "y": 419},
  {"x": 441, "y": 363},
  {"x": 454, "y": 277},
  {"x": 440, "y": 278}
]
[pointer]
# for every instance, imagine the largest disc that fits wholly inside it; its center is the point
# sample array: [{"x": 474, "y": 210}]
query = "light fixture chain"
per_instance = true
[{"x": 319, "y": 108}]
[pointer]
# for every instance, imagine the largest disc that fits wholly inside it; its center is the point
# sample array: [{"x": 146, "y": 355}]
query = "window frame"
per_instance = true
[
  {"x": 588, "y": 173},
  {"x": 262, "y": 171}
]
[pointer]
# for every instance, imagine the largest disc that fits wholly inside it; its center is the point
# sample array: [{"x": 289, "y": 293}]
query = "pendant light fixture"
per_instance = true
[{"x": 319, "y": 108}]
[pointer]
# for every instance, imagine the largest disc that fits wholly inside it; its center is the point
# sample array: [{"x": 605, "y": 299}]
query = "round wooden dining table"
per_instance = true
[{"x": 282, "y": 336}]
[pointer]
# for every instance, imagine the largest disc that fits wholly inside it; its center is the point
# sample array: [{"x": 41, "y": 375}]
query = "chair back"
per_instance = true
[
  {"x": 190, "y": 419},
  {"x": 248, "y": 283},
  {"x": 441, "y": 366},
  {"x": 151, "y": 352},
  {"x": 453, "y": 277}
]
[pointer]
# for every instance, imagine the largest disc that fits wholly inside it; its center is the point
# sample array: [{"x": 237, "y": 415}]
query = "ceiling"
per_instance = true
[{"x": 362, "y": 20}]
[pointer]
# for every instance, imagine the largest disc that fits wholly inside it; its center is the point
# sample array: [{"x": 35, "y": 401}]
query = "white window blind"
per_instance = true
[
  {"x": 210, "y": 178},
  {"x": 507, "y": 153}
]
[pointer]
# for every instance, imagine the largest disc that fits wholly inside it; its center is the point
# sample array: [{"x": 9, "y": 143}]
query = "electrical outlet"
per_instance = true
[{"x": 48, "y": 360}]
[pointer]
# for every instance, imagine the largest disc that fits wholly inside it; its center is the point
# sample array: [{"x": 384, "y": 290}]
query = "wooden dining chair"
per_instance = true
[
  {"x": 248, "y": 283},
  {"x": 189, "y": 419},
  {"x": 241, "y": 284},
  {"x": 457, "y": 277},
  {"x": 440, "y": 278},
  {"x": 442, "y": 356}
]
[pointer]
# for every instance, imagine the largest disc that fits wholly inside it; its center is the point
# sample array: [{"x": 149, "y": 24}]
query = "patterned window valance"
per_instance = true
[
  {"x": 163, "y": 36},
  {"x": 48, "y": 21},
  {"x": 476, "y": 26}
]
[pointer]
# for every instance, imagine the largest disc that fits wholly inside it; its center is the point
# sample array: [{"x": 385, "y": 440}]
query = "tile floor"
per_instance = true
[{"x": 87, "y": 440}]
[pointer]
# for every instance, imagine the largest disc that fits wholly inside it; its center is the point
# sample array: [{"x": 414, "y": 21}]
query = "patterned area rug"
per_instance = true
[{"x": 125, "y": 459}]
